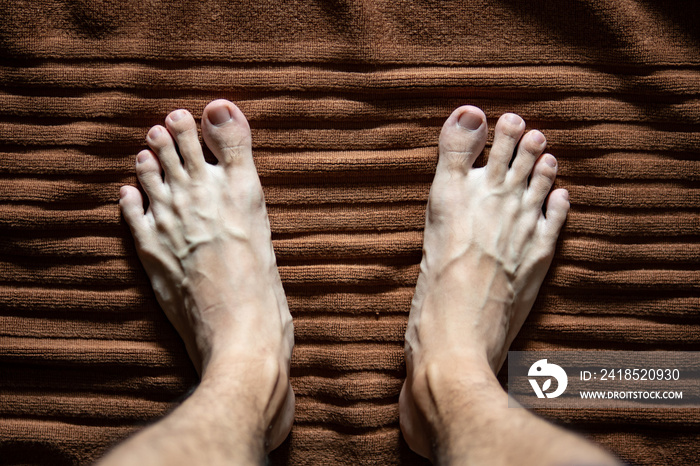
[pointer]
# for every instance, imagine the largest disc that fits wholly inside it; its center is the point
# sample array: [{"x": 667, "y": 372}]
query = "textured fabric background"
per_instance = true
[{"x": 346, "y": 99}]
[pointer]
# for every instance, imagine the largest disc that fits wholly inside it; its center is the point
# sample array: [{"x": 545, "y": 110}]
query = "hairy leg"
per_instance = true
[
  {"x": 205, "y": 244},
  {"x": 487, "y": 248}
]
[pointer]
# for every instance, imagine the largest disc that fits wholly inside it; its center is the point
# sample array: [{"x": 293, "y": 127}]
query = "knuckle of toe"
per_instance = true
[
  {"x": 165, "y": 224},
  {"x": 258, "y": 198},
  {"x": 249, "y": 186},
  {"x": 179, "y": 198},
  {"x": 255, "y": 198},
  {"x": 511, "y": 130},
  {"x": 186, "y": 136},
  {"x": 234, "y": 152},
  {"x": 532, "y": 148},
  {"x": 512, "y": 133},
  {"x": 549, "y": 173},
  {"x": 456, "y": 160},
  {"x": 144, "y": 170}
]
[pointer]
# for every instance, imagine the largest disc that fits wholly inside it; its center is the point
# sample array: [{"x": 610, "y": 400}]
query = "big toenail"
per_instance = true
[
  {"x": 177, "y": 115},
  {"x": 513, "y": 119},
  {"x": 470, "y": 121},
  {"x": 538, "y": 138},
  {"x": 551, "y": 161},
  {"x": 220, "y": 115}
]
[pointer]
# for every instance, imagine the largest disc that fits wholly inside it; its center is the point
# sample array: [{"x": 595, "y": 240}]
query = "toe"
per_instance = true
[
  {"x": 148, "y": 171},
  {"x": 543, "y": 176},
  {"x": 184, "y": 129},
  {"x": 509, "y": 129},
  {"x": 227, "y": 134},
  {"x": 162, "y": 144},
  {"x": 557, "y": 208},
  {"x": 530, "y": 148},
  {"x": 462, "y": 139},
  {"x": 131, "y": 204}
]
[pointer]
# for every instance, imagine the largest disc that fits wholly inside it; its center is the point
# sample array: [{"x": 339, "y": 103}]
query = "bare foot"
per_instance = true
[
  {"x": 205, "y": 244},
  {"x": 487, "y": 248}
]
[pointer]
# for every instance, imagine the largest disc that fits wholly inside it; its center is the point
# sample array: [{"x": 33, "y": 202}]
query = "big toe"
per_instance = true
[
  {"x": 227, "y": 134},
  {"x": 462, "y": 139}
]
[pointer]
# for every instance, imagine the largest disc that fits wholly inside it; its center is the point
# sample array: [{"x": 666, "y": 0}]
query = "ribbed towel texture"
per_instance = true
[{"x": 346, "y": 99}]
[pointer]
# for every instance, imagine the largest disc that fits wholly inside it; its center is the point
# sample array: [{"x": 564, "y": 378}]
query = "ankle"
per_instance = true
[
  {"x": 451, "y": 391},
  {"x": 224, "y": 415},
  {"x": 240, "y": 372},
  {"x": 456, "y": 379}
]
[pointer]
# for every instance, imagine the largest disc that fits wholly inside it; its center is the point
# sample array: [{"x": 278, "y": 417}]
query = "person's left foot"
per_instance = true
[
  {"x": 205, "y": 243},
  {"x": 486, "y": 250}
]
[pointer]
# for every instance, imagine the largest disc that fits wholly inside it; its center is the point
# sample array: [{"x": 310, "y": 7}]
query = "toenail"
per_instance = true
[
  {"x": 566, "y": 194},
  {"x": 154, "y": 132},
  {"x": 469, "y": 120},
  {"x": 551, "y": 161},
  {"x": 142, "y": 157},
  {"x": 177, "y": 115},
  {"x": 538, "y": 138},
  {"x": 513, "y": 119},
  {"x": 219, "y": 115}
]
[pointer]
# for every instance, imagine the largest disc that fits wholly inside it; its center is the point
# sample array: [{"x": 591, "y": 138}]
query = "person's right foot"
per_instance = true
[
  {"x": 205, "y": 244},
  {"x": 487, "y": 248}
]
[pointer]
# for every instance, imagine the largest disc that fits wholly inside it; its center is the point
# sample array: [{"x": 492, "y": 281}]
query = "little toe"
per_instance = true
[
  {"x": 184, "y": 129},
  {"x": 509, "y": 130},
  {"x": 227, "y": 134},
  {"x": 148, "y": 171},
  {"x": 462, "y": 139},
  {"x": 541, "y": 182},
  {"x": 162, "y": 144},
  {"x": 131, "y": 205},
  {"x": 555, "y": 215},
  {"x": 530, "y": 148}
]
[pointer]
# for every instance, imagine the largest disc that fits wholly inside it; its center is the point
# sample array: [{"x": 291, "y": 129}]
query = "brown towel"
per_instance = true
[{"x": 346, "y": 99}]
